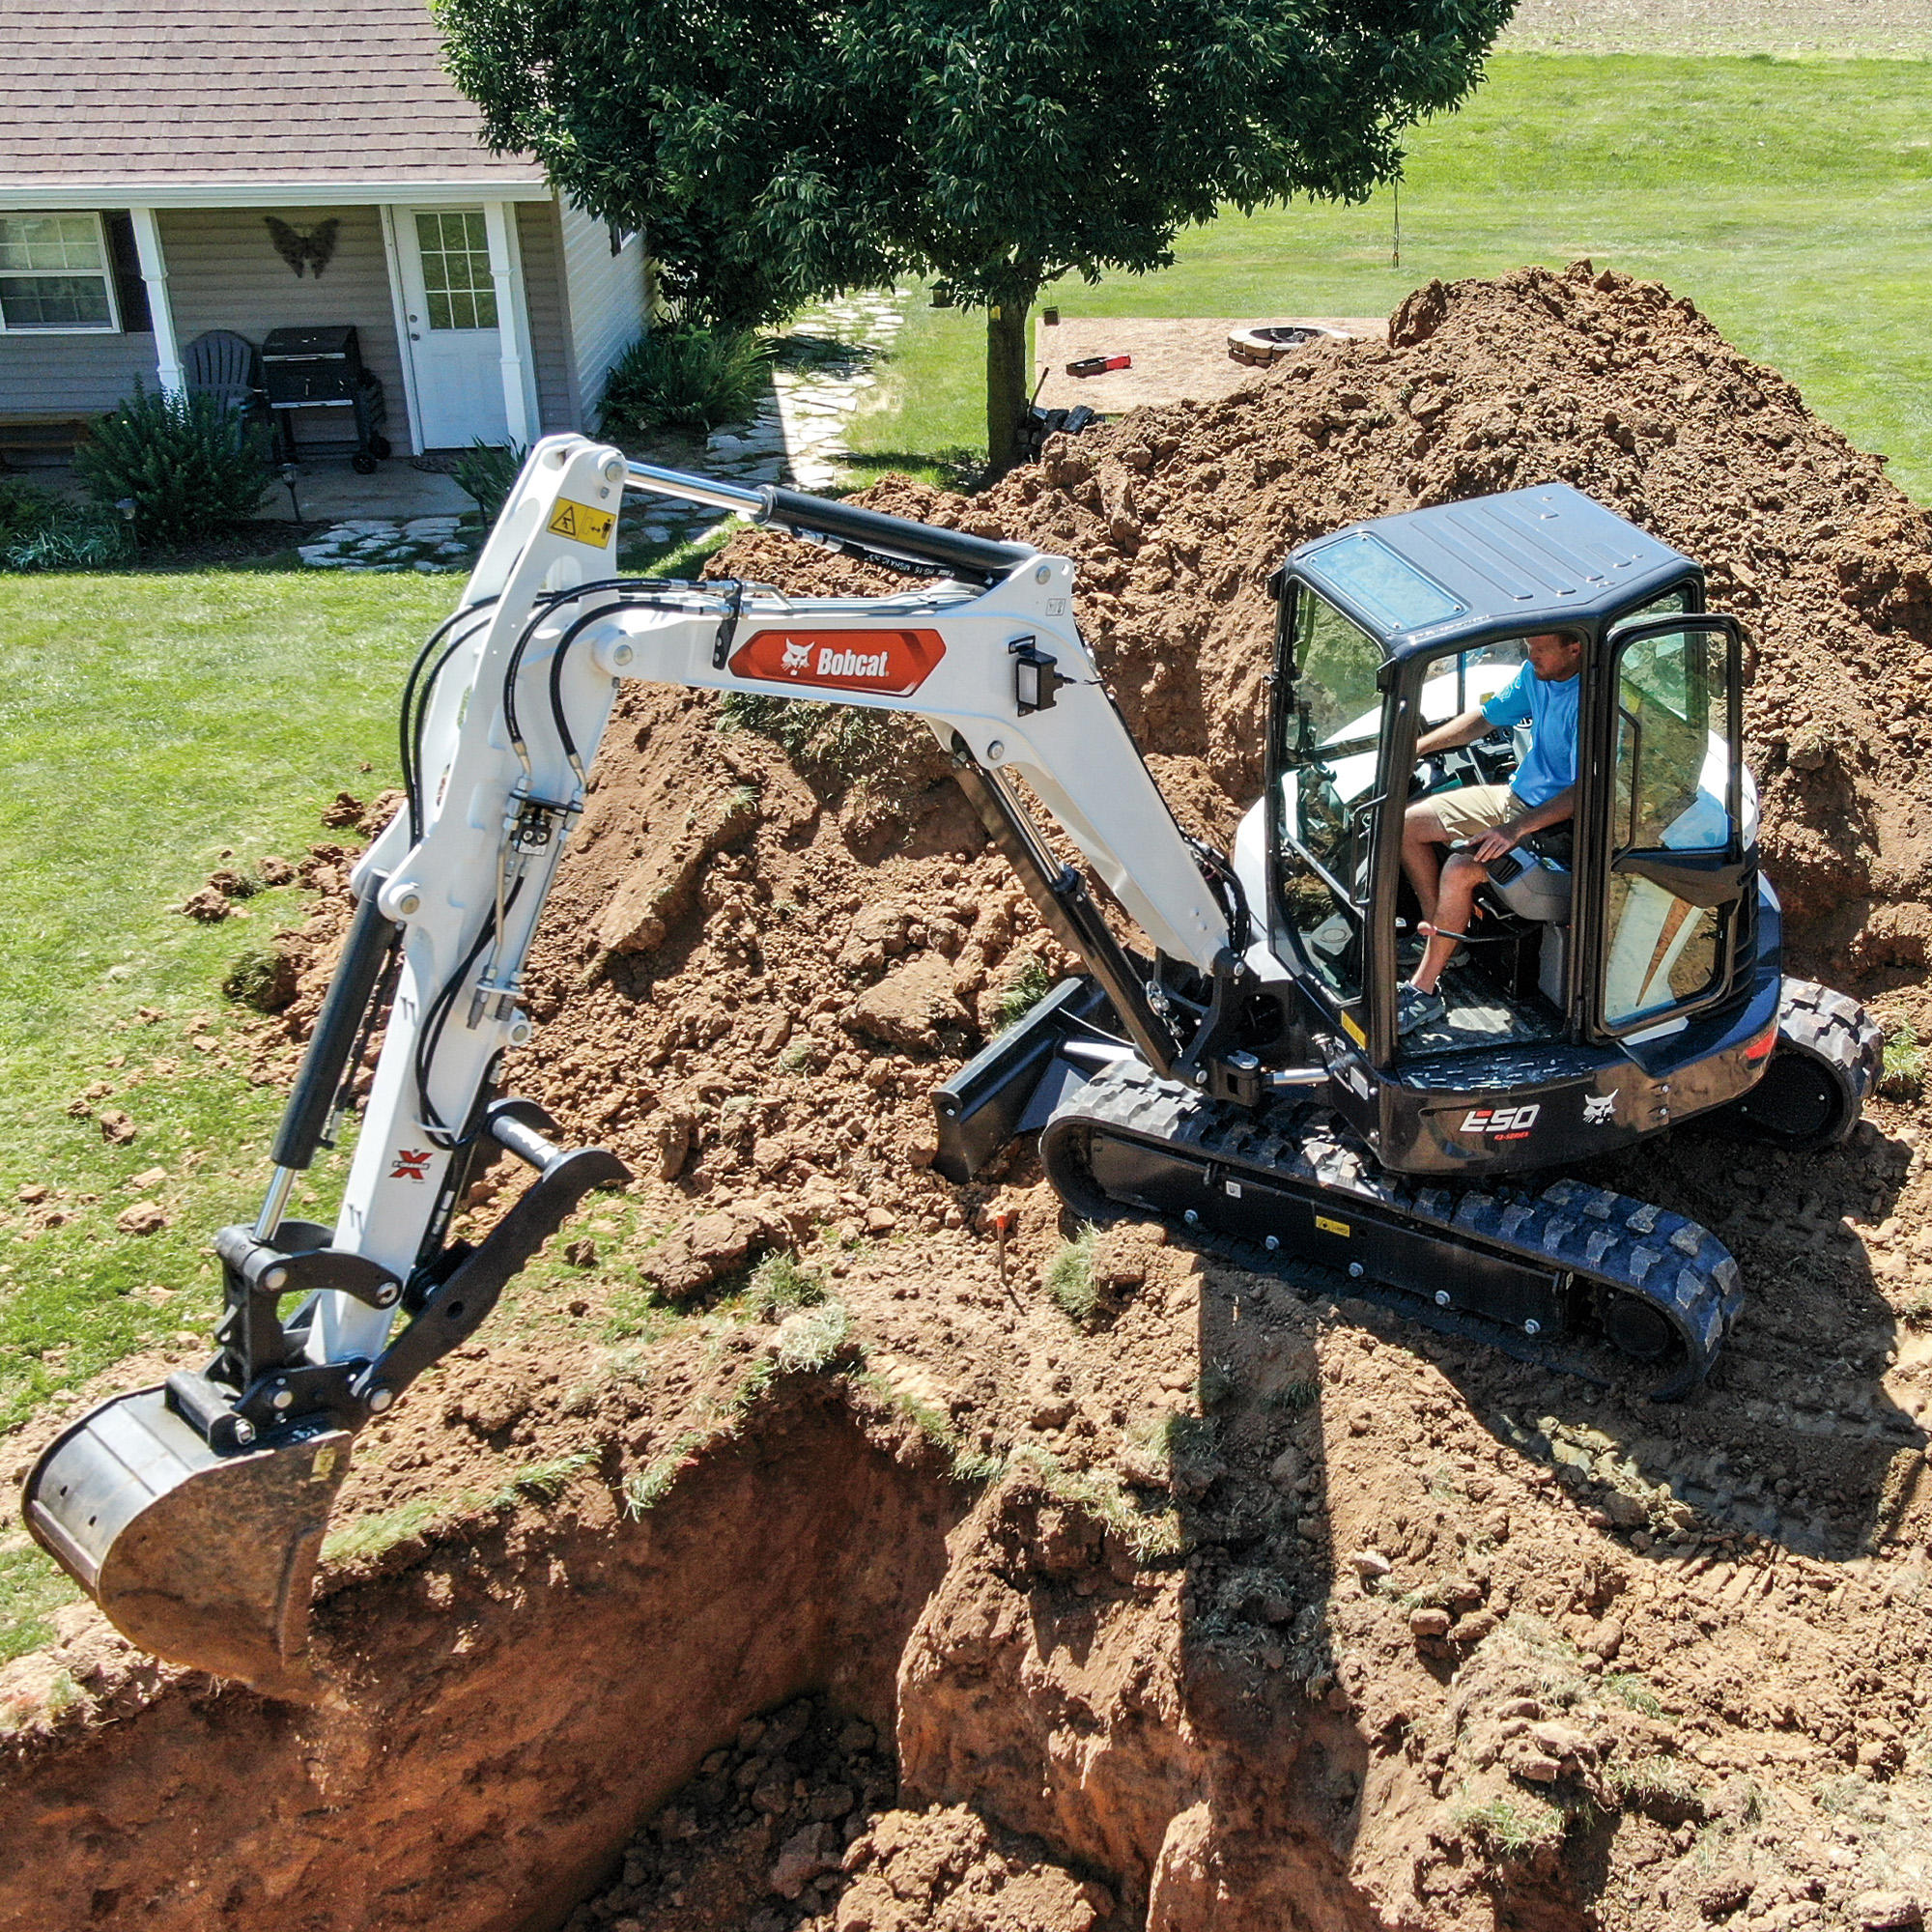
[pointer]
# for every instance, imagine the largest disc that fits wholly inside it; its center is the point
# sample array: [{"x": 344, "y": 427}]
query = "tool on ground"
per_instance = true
[
  {"x": 1098, "y": 365},
  {"x": 1234, "y": 1071}
]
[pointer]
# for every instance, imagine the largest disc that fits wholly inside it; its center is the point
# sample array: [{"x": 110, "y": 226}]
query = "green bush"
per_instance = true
[
  {"x": 188, "y": 461},
  {"x": 41, "y": 531},
  {"x": 488, "y": 471},
  {"x": 684, "y": 376}
]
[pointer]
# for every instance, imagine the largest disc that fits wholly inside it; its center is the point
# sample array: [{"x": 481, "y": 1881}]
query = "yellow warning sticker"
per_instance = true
[
  {"x": 582, "y": 524},
  {"x": 1354, "y": 1031},
  {"x": 1332, "y": 1227}
]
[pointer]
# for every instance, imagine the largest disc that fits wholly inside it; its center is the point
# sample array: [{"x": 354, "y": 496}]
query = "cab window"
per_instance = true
[{"x": 1331, "y": 754}]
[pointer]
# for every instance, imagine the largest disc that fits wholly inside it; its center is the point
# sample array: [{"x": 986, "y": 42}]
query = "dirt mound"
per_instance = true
[
  {"x": 1176, "y": 516},
  {"x": 1196, "y": 1601}
]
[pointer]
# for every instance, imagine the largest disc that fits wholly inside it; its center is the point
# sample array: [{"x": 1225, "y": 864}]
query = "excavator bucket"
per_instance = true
[{"x": 203, "y": 1559}]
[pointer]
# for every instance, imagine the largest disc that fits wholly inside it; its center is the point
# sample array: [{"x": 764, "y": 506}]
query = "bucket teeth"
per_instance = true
[{"x": 201, "y": 1559}]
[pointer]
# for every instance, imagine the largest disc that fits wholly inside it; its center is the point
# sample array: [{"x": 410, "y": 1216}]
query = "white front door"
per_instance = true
[{"x": 454, "y": 343}]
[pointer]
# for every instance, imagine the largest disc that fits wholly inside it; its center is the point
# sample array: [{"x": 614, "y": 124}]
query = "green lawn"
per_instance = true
[
  {"x": 1792, "y": 201},
  {"x": 150, "y": 723}
]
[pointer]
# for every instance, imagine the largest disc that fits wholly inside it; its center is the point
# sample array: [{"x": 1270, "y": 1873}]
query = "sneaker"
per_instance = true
[{"x": 1413, "y": 1009}]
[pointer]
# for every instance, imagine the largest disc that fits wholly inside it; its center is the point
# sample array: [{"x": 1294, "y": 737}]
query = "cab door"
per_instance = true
[{"x": 1681, "y": 828}]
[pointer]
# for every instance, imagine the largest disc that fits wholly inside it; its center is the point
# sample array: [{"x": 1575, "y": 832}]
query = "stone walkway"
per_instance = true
[{"x": 821, "y": 378}]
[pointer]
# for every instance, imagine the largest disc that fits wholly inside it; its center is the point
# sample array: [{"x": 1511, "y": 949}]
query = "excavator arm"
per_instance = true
[{"x": 194, "y": 1512}]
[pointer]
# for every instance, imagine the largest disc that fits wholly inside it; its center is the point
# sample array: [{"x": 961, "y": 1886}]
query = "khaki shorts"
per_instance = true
[{"x": 1470, "y": 811}]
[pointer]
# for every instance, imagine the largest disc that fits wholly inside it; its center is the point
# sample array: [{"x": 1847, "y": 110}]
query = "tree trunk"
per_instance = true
[{"x": 1006, "y": 386}]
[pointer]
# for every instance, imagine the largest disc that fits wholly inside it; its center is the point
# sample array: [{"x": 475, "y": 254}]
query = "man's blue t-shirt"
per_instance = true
[{"x": 1551, "y": 711}]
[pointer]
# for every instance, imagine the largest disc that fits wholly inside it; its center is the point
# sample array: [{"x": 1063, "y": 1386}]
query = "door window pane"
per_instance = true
[
  {"x": 457, "y": 286},
  {"x": 1328, "y": 805},
  {"x": 1672, "y": 795},
  {"x": 53, "y": 273}
]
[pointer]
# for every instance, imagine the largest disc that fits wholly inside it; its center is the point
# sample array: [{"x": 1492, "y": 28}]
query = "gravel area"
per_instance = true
[
  {"x": 1173, "y": 356},
  {"x": 1900, "y": 29}
]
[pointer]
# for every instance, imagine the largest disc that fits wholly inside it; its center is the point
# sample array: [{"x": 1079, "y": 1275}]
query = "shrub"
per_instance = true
[
  {"x": 488, "y": 471},
  {"x": 684, "y": 376},
  {"x": 40, "y": 531},
  {"x": 188, "y": 461}
]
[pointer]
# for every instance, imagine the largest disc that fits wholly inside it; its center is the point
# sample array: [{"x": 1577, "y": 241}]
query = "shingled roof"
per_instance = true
[{"x": 175, "y": 95}]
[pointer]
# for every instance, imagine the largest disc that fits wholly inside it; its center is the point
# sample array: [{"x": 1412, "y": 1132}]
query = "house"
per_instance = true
[{"x": 174, "y": 166}]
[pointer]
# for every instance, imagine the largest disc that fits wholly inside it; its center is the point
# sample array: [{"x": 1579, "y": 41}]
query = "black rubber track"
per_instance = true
[
  {"x": 1605, "y": 1243},
  {"x": 1823, "y": 1069}
]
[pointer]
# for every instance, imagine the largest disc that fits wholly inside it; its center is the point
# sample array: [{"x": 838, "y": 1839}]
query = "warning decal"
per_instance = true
[
  {"x": 582, "y": 524},
  {"x": 1330, "y": 1225}
]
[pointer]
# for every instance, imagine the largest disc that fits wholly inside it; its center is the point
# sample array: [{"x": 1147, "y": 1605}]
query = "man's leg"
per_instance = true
[
  {"x": 1454, "y": 904},
  {"x": 1423, "y": 837}
]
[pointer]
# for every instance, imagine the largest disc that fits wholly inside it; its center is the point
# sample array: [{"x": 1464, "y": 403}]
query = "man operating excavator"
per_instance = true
[{"x": 1485, "y": 821}]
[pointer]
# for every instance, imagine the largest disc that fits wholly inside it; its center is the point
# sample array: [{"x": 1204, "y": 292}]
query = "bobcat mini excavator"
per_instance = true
[{"x": 1235, "y": 1073}]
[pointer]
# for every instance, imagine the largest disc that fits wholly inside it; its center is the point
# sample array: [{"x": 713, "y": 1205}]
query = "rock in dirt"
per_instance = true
[
  {"x": 912, "y": 1007},
  {"x": 1886, "y": 1910},
  {"x": 802, "y": 1857}
]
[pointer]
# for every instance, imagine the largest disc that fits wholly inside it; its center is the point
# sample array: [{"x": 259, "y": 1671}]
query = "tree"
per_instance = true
[{"x": 796, "y": 147}]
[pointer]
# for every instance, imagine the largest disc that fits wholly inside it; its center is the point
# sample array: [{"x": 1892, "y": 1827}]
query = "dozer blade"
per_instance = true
[{"x": 201, "y": 1559}]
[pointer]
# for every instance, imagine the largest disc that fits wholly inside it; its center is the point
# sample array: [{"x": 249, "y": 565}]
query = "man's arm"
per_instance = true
[
  {"x": 1463, "y": 730},
  {"x": 1513, "y": 832}
]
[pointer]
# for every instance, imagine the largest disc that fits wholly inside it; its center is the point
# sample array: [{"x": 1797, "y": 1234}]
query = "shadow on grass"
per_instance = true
[{"x": 952, "y": 467}]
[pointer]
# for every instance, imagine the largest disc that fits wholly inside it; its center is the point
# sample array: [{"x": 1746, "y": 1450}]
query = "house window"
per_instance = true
[
  {"x": 457, "y": 284},
  {"x": 55, "y": 275}
]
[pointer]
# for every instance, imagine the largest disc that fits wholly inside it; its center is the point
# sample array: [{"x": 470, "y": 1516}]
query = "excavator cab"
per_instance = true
[{"x": 1623, "y": 971}]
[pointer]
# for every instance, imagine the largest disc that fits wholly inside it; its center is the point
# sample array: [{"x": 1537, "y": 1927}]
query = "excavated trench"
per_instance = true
[{"x": 508, "y": 1710}]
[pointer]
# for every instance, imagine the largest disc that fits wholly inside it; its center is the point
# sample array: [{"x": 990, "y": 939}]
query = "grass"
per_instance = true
[
  {"x": 1788, "y": 199},
  {"x": 150, "y": 723},
  {"x": 1630, "y": 1688},
  {"x": 32, "y": 1587},
  {"x": 370, "y": 1535},
  {"x": 815, "y": 1339},
  {"x": 1025, "y": 991},
  {"x": 644, "y": 1488},
  {"x": 542, "y": 1481},
  {"x": 1656, "y": 1780},
  {"x": 930, "y": 419},
  {"x": 839, "y": 745},
  {"x": 1511, "y": 1829},
  {"x": 1902, "y": 1072},
  {"x": 1069, "y": 1277}
]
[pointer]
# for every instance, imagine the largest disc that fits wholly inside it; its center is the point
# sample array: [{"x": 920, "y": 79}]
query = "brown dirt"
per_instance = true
[{"x": 1224, "y": 1607}]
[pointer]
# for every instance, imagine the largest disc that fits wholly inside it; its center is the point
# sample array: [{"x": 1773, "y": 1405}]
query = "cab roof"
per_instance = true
[{"x": 1544, "y": 559}]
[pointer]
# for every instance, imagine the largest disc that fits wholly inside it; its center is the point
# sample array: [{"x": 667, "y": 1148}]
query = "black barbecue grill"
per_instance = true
[{"x": 322, "y": 369}]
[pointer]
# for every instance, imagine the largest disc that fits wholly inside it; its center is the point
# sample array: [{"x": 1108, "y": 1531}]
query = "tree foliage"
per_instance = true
[{"x": 802, "y": 147}]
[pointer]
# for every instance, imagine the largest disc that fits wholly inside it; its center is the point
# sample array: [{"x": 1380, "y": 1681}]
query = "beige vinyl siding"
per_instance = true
[
  {"x": 51, "y": 375},
  {"x": 223, "y": 272},
  {"x": 542, "y": 250},
  {"x": 607, "y": 296}
]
